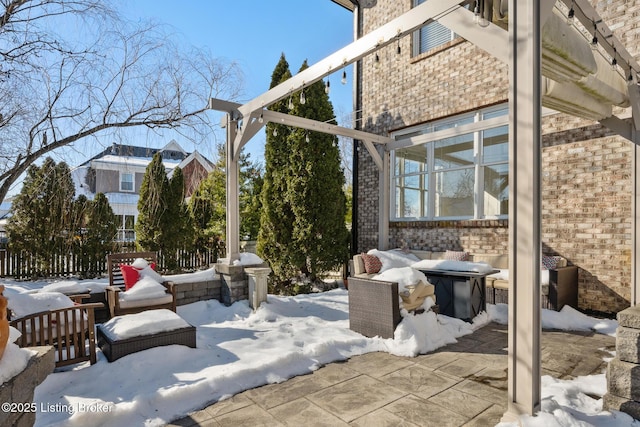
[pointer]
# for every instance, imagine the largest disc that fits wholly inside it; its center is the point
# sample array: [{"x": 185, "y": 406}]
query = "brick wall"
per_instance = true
[{"x": 586, "y": 209}]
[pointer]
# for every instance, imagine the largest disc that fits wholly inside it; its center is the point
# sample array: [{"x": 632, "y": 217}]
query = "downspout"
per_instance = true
[{"x": 357, "y": 104}]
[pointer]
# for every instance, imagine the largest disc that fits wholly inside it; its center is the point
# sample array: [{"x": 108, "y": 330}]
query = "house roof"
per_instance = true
[{"x": 347, "y": 4}]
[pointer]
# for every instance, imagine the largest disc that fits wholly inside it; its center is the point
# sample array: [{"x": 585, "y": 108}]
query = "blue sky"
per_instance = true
[{"x": 254, "y": 33}]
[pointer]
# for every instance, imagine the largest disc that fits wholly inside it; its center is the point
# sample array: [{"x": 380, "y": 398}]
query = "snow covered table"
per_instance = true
[{"x": 123, "y": 335}]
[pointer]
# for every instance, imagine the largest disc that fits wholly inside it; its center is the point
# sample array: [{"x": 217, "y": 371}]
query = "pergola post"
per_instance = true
[
  {"x": 233, "y": 190},
  {"x": 384, "y": 201},
  {"x": 635, "y": 209},
  {"x": 524, "y": 208}
]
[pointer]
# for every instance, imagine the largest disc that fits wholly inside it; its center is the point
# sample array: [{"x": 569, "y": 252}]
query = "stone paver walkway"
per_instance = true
[{"x": 464, "y": 384}]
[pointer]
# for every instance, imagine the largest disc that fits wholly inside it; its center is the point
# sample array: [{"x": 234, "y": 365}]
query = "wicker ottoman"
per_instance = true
[{"x": 123, "y": 335}]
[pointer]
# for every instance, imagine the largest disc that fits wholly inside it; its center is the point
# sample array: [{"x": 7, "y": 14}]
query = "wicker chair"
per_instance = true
[
  {"x": 116, "y": 285},
  {"x": 374, "y": 307},
  {"x": 67, "y": 330}
]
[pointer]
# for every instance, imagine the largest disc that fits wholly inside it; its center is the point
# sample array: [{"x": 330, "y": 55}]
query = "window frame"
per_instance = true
[
  {"x": 496, "y": 118},
  {"x": 133, "y": 182},
  {"x": 417, "y": 45}
]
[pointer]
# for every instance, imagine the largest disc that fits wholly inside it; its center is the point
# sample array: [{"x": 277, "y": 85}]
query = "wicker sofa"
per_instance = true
[{"x": 561, "y": 290}]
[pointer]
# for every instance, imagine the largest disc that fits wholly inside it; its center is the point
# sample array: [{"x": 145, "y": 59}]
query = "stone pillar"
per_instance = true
[
  {"x": 257, "y": 285},
  {"x": 233, "y": 286},
  {"x": 623, "y": 373},
  {"x": 20, "y": 389}
]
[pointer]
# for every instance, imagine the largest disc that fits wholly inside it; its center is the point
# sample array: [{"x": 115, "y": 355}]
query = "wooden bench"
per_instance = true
[{"x": 66, "y": 329}]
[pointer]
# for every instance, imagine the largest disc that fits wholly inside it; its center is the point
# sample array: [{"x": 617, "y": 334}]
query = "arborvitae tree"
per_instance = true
[
  {"x": 42, "y": 213},
  {"x": 101, "y": 229},
  {"x": 177, "y": 224},
  {"x": 302, "y": 226},
  {"x": 152, "y": 205},
  {"x": 316, "y": 189},
  {"x": 276, "y": 220}
]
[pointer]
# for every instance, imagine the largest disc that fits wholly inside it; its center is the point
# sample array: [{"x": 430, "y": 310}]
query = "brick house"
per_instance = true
[
  {"x": 452, "y": 193},
  {"x": 118, "y": 172}
]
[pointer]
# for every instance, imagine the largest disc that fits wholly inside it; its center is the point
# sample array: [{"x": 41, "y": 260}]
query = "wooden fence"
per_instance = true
[{"x": 22, "y": 265}]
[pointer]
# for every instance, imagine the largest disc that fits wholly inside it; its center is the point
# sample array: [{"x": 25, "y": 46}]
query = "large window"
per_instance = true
[
  {"x": 431, "y": 35},
  {"x": 462, "y": 175}
]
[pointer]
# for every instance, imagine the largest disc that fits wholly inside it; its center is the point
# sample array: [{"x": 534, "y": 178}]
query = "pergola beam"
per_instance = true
[{"x": 376, "y": 39}]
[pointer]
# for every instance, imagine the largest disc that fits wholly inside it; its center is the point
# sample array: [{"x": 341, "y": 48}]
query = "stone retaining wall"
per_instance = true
[
  {"x": 20, "y": 388},
  {"x": 623, "y": 373},
  {"x": 187, "y": 293}
]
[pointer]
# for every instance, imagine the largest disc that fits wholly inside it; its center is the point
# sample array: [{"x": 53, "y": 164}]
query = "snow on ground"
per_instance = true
[{"x": 238, "y": 349}]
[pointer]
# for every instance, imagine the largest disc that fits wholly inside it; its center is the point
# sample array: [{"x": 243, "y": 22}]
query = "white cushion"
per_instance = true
[
  {"x": 394, "y": 258},
  {"x": 144, "y": 289},
  {"x": 23, "y": 304},
  {"x": 405, "y": 276},
  {"x": 437, "y": 264},
  {"x": 504, "y": 275},
  {"x": 146, "y": 323},
  {"x": 167, "y": 298}
]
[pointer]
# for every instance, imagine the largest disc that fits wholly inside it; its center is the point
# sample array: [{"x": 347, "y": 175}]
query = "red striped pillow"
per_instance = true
[{"x": 372, "y": 263}]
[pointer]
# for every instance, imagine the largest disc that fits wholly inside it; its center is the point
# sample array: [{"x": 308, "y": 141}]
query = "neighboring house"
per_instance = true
[
  {"x": 453, "y": 192},
  {"x": 118, "y": 172}
]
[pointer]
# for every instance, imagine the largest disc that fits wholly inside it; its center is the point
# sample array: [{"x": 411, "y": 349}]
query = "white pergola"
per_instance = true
[{"x": 520, "y": 47}]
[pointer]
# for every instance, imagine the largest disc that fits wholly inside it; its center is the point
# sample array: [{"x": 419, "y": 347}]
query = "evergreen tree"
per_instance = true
[
  {"x": 304, "y": 205},
  {"x": 316, "y": 189},
  {"x": 203, "y": 209},
  {"x": 177, "y": 225},
  {"x": 152, "y": 205},
  {"x": 208, "y": 204},
  {"x": 276, "y": 220},
  {"x": 41, "y": 223},
  {"x": 101, "y": 229}
]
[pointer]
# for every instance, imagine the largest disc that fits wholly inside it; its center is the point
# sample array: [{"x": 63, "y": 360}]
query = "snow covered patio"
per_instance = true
[
  {"x": 296, "y": 357},
  {"x": 460, "y": 384}
]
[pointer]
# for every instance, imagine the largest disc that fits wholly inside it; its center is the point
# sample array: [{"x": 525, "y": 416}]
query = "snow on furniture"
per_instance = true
[
  {"x": 123, "y": 335},
  {"x": 561, "y": 287},
  {"x": 68, "y": 328},
  {"x": 136, "y": 302},
  {"x": 374, "y": 304}
]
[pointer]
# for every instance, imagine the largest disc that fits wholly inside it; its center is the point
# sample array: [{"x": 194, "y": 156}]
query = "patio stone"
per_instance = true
[
  {"x": 419, "y": 381},
  {"x": 489, "y": 417},
  {"x": 335, "y": 373},
  {"x": 378, "y": 364},
  {"x": 272, "y": 395},
  {"x": 342, "y": 401},
  {"x": 458, "y": 385},
  {"x": 484, "y": 391},
  {"x": 425, "y": 413},
  {"x": 466, "y": 405},
  {"x": 631, "y": 407},
  {"x": 381, "y": 418},
  {"x": 495, "y": 377},
  {"x": 460, "y": 368},
  {"x": 437, "y": 359},
  {"x": 249, "y": 416},
  {"x": 301, "y": 412},
  {"x": 229, "y": 405}
]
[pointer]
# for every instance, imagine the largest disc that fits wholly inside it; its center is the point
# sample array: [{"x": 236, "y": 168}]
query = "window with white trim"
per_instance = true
[
  {"x": 431, "y": 35},
  {"x": 462, "y": 175},
  {"x": 126, "y": 181}
]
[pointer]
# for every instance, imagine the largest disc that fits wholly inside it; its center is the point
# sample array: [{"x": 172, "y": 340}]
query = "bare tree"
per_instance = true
[{"x": 72, "y": 70}]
